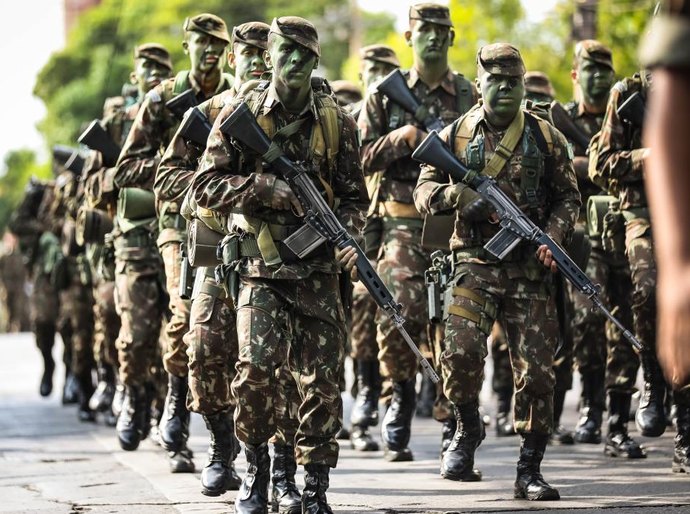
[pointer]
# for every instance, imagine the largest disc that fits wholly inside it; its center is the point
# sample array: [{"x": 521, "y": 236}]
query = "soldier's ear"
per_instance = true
[
  {"x": 451, "y": 37},
  {"x": 573, "y": 75},
  {"x": 408, "y": 37},
  {"x": 231, "y": 59},
  {"x": 133, "y": 78},
  {"x": 185, "y": 46}
]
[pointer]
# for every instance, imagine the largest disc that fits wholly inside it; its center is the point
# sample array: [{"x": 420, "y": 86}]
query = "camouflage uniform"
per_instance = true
[
  {"x": 517, "y": 291},
  {"x": 13, "y": 291}
]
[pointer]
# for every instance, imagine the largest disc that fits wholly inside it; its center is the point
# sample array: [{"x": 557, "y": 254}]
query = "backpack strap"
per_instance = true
[
  {"x": 181, "y": 82},
  {"x": 541, "y": 131}
]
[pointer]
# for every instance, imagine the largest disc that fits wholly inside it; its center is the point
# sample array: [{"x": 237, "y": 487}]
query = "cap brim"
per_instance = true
[
  {"x": 513, "y": 70},
  {"x": 306, "y": 43}
]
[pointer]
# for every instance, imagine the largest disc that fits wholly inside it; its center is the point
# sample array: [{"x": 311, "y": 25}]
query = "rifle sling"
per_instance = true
[{"x": 506, "y": 147}]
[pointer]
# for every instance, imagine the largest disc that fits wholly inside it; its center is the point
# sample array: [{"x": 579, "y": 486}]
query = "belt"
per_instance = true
[
  {"x": 250, "y": 248},
  {"x": 394, "y": 209}
]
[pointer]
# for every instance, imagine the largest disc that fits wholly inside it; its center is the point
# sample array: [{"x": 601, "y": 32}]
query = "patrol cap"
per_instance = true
[
  {"x": 500, "y": 59},
  {"x": 207, "y": 24},
  {"x": 154, "y": 52},
  {"x": 298, "y": 30},
  {"x": 593, "y": 50},
  {"x": 253, "y": 33},
  {"x": 538, "y": 82},
  {"x": 431, "y": 12},
  {"x": 379, "y": 53}
]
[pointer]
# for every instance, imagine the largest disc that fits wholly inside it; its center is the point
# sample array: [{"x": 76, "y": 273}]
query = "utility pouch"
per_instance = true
[
  {"x": 136, "y": 204},
  {"x": 304, "y": 241},
  {"x": 202, "y": 244},
  {"x": 437, "y": 231},
  {"x": 186, "y": 275},
  {"x": 226, "y": 274},
  {"x": 597, "y": 207},
  {"x": 92, "y": 225},
  {"x": 613, "y": 230}
]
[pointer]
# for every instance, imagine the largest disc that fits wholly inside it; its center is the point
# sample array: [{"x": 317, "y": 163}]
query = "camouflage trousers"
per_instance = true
[
  {"x": 442, "y": 409},
  {"x": 639, "y": 249},
  {"x": 76, "y": 310},
  {"x": 175, "y": 358},
  {"x": 401, "y": 266},
  {"x": 301, "y": 323},
  {"x": 502, "y": 378},
  {"x": 483, "y": 293},
  {"x": 44, "y": 309},
  {"x": 363, "y": 326},
  {"x": 140, "y": 301},
  {"x": 106, "y": 323},
  {"x": 16, "y": 304},
  {"x": 616, "y": 358}
]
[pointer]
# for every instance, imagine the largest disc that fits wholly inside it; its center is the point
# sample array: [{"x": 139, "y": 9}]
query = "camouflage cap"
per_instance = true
[
  {"x": 538, "y": 82},
  {"x": 207, "y": 24},
  {"x": 500, "y": 59},
  {"x": 298, "y": 30},
  {"x": 154, "y": 52},
  {"x": 379, "y": 53},
  {"x": 432, "y": 13},
  {"x": 593, "y": 50},
  {"x": 253, "y": 33}
]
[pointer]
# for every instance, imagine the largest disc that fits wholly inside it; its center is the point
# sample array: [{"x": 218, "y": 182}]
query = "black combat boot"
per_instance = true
[
  {"x": 84, "y": 412},
  {"x": 681, "y": 449},
  {"x": 651, "y": 414},
  {"x": 458, "y": 460},
  {"x": 219, "y": 474},
  {"x": 560, "y": 435},
  {"x": 315, "y": 487},
  {"x": 253, "y": 495},
  {"x": 174, "y": 426},
  {"x": 365, "y": 411},
  {"x": 530, "y": 484},
  {"x": 46, "y": 386},
  {"x": 70, "y": 391},
  {"x": 361, "y": 440},
  {"x": 618, "y": 442},
  {"x": 285, "y": 497},
  {"x": 396, "y": 425},
  {"x": 448, "y": 428},
  {"x": 118, "y": 398},
  {"x": 427, "y": 397},
  {"x": 504, "y": 425},
  {"x": 102, "y": 398},
  {"x": 132, "y": 420},
  {"x": 589, "y": 426}
]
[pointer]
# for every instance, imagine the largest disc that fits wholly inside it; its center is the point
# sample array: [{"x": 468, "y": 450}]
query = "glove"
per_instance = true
[{"x": 472, "y": 206}]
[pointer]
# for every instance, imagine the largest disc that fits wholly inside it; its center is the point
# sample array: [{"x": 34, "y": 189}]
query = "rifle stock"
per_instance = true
[
  {"x": 565, "y": 124},
  {"x": 515, "y": 225},
  {"x": 633, "y": 110},
  {"x": 243, "y": 127},
  {"x": 181, "y": 103},
  {"x": 395, "y": 87},
  {"x": 96, "y": 138}
]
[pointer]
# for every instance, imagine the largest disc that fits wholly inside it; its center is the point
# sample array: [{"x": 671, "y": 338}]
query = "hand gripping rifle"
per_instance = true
[
  {"x": 395, "y": 87},
  {"x": 515, "y": 225},
  {"x": 96, "y": 138},
  {"x": 242, "y": 126}
]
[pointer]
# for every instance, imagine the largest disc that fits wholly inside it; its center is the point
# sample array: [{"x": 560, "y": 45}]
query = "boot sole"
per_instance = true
[
  {"x": 611, "y": 452},
  {"x": 296, "y": 509},
  {"x": 652, "y": 433},
  {"x": 588, "y": 439},
  {"x": 469, "y": 476},
  {"x": 128, "y": 447},
  {"x": 398, "y": 456},
  {"x": 521, "y": 494}
]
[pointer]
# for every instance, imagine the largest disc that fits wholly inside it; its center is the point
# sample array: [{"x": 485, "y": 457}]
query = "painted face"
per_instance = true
[
  {"x": 248, "y": 61},
  {"x": 430, "y": 41},
  {"x": 205, "y": 52},
  {"x": 291, "y": 62},
  {"x": 374, "y": 70},
  {"x": 595, "y": 81},
  {"x": 502, "y": 95},
  {"x": 148, "y": 74}
]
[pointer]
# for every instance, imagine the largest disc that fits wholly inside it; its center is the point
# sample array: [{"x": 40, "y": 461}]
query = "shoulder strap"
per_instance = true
[
  {"x": 506, "y": 147},
  {"x": 463, "y": 93},
  {"x": 463, "y": 131},
  {"x": 330, "y": 126},
  {"x": 181, "y": 82},
  {"x": 541, "y": 131}
]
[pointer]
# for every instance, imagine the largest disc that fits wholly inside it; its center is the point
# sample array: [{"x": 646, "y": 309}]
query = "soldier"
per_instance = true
[
  {"x": 535, "y": 169},
  {"x": 139, "y": 291},
  {"x": 538, "y": 88},
  {"x": 212, "y": 338},
  {"x": 13, "y": 281},
  {"x": 666, "y": 132},
  {"x": 205, "y": 40},
  {"x": 287, "y": 309},
  {"x": 389, "y": 136}
]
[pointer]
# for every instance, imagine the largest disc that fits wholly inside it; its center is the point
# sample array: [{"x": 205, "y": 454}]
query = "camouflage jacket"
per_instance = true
[
  {"x": 382, "y": 150},
  {"x": 232, "y": 179},
  {"x": 151, "y": 132},
  {"x": 620, "y": 163},
  {"x": 558, "y": 200},
  {"x": 180, "y": 160}
]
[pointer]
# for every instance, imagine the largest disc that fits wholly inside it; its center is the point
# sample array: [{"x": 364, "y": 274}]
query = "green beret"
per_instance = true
[
  {"x": 154, "y": 52},
  {"x": 432, "y": 13},
  {"x": 537, "y": 82},
  {"x": 253, "y": 33},
  {"x": 298, "y": 30},
  {"x": 380, "y": 53},
  {"x": 207, "y": 24},
  {"x": 593, "y": 50},
  {"x": 500, "y": 59}
]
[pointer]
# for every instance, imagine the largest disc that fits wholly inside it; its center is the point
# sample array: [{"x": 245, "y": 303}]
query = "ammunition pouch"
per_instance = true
[
  {"x": 437, "y": 231},
  {"x": 136, "y": 245},
  {"x": 70, "y": 246},
  {"x": 202, "y": 244},
  {"x": 226, "y": 273},
  {"x": 92, "y": 225},
  {"x": 205, "y": 282},
  {"x": 134, "y": 203}
]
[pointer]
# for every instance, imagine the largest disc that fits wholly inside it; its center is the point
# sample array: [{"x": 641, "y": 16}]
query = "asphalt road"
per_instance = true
[{"x": 50, "y": 462}]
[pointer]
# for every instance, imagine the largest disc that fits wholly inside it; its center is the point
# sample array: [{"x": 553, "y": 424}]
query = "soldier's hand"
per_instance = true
[
  {"x": 479, "y": 209},
  {"x": 347, "y": 258},
  {"x": 284, "y": 199},
  {"x": 546, "y": 258},
  {"x": 412, "y": 136}
]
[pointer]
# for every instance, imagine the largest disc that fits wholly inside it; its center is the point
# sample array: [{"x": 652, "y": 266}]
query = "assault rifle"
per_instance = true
[
  {"x": 515, "y": 225},
  {"x": 319, "y": 218},
  {"x": 565, "y": 124},
  {"x": 633, "y": 110},
  {"x": 96, "y": 138},
  {"x": 395, "y": 87},
  {"x": 181, "y": 103},
  {"x": 186, "y": 275},
  {"x": 69, "y": 157},
  {"x": 195, "y": 127}
]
